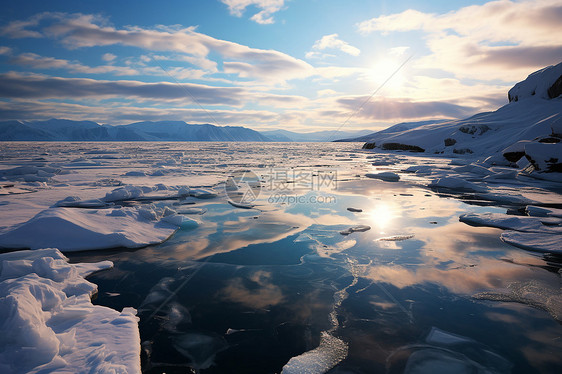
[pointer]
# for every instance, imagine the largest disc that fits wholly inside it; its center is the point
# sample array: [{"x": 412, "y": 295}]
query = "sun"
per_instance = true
[{"x": 385, "y": 69}]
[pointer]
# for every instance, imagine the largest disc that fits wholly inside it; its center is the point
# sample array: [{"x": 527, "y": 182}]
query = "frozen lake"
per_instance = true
[{"x": 311, "y": 265}]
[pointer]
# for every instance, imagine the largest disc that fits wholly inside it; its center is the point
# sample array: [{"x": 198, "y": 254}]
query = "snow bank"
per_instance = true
[
  {"x": 71, "y": 229},
  {"x": 48, "y": 323}
]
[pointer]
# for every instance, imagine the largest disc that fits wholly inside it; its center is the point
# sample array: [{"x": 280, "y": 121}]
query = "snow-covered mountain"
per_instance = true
[
  {"x": 402, "y": 126},
  {"x": 181, "y": 131},
  {"x": 66, "y": 130},
  {"x": 317, "y": 136},
  {"x": 529, "y": 125}
]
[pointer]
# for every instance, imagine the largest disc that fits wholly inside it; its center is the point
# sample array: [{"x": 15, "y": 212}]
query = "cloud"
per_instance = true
[
  {"x": 255, "y": 292},
  {"x": 5, "y": 50},
  {"x": 17, "y": 86},
  {"x": 404, "y": 109},
  {"x": 332, "y": 42},
  {"x": 77, "y": 31},
  {"x": 108, "y": 57},
  {"x": 496, "y": 40},
  {"x": 42, "y": 62},
  {"x": 264, "y": 17},
  {"x": 123, "y": 114}
]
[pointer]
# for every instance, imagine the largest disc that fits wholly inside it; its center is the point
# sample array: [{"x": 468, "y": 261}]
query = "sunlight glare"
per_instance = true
[
  {"x": 383, "y": 69},
  {"x": 382, "y": 216}
]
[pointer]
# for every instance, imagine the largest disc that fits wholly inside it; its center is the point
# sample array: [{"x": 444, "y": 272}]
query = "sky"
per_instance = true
[{"x": 301, "y": 65}]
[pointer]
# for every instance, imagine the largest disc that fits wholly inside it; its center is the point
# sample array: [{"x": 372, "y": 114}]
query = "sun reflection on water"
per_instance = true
[{"x": 383, "y": 215}]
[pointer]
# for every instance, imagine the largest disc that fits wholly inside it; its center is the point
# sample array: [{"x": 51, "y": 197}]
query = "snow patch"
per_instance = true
[
  {"x": 71, "y": 229},
  {"x": 48, "y": 323}
]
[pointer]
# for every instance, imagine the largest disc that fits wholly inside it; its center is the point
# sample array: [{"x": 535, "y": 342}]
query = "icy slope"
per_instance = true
[
  {"x": 48, "y": 323},
  {"x": 535, "y": 111}
]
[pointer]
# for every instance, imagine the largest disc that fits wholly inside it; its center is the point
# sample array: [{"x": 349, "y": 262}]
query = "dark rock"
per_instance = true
[
  {"x": 462, "y": 151},
  {"x": 402, "y": 147},
  {"x": 449, "y": 142},
  {"x": 471, "y": 129},
  {"x": 513, "y": 156},
  {"x": 556, "y": 89},
  {"x": 549, "y": 140},
  {"x": 368, "y": 146}
]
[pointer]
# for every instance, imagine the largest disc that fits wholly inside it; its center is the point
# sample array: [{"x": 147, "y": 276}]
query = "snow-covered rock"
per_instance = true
[
  {"x": 545, "y": 83},
  {"x": 525, "y": 118},
  {"x": 48, "y": 323},
  {"x": 545, "y": 157}
]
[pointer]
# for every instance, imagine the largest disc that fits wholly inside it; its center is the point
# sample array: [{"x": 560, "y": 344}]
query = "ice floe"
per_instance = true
[
  {"x": 534, "y": 293},
  {"x": 71, "y": 229},
  {"x": 510, "y": 222},
  {"x": 541, "y": 234},
  {"x": 456, "y": 184},
  {"x": 387, "y": 176},
  {"x": 48, "y": 323},
  {"x": 548, "y": 243},
  {"x": 359, "y": 228}
]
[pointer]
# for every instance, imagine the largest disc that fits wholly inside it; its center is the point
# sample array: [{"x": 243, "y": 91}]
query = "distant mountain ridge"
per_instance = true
[
  {"x": 316, "y": 136},
  {"x": 67, "y": 130}
]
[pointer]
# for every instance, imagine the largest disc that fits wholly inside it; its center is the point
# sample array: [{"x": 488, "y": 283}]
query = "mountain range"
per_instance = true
[{"x": 67, "y": 130}]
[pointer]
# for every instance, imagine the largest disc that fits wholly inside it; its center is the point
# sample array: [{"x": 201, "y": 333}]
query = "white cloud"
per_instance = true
[
  {"x": 76, "y": 31},
  {"x": 326, "y": 92},
  {"x": 108, "y": 57},
  {"x": 42, "y": 62},
  {"x": 497, "y": 40},
  {"x": 334, "y": 43},
  {"x": 5, "y": 50},
  {"x": 124, "y": 114},
  {"x": 264, "y": 17}
]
